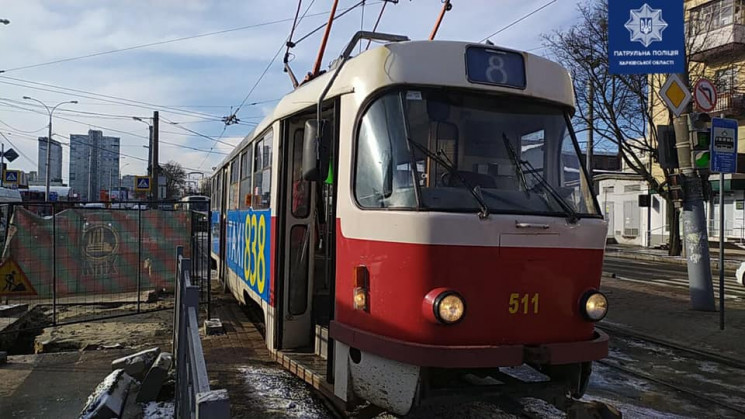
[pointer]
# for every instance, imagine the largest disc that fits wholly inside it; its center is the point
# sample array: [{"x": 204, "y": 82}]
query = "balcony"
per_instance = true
[
  {"x": 718, "y": 43},
  {"x": 730, "y": 104}
]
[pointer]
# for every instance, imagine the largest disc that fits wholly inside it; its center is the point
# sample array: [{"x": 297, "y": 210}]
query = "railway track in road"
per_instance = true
[{"x": 697, "y": 374}]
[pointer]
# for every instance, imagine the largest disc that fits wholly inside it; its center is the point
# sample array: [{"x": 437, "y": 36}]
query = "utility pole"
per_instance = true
[
  {"x": 591, "y": 132},
  {"x": 693, "y": 217},
  {"x": 156, "y": 168}
]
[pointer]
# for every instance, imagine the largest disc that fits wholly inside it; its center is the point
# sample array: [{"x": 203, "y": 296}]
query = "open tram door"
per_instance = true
[
  {"x": 223, "y": 185},
  {"x": 307, "y": 228}
]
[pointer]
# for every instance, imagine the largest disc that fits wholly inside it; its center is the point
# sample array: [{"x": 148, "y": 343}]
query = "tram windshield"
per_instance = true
[{"x": 427, "y": 149}]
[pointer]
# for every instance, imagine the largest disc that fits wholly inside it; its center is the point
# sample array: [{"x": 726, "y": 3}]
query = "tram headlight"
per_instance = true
[
  {"x": 594, "y": 305},
  {"x": 449, "y": 307}
]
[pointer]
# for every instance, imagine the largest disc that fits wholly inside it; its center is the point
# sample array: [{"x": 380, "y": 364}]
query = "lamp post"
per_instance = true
[
  {"x": 149, "y": 148},
  {"x": 120, "y": 182},
  {"x": 4, "y": 21},
  {"x": 49, "y": 139}
]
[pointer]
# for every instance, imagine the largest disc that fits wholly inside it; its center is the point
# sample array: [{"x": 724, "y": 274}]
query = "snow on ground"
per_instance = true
[
  {"x": 629, "y": 411},
  {"x": 278, "y": 393},
  {"x": 158, "y": 410}
]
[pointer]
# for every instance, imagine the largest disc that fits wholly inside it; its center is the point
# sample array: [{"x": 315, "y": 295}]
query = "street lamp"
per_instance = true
[
  {"x": 4, "y": 21},
  {"x": 49, "y": 138},
  {"x": 120, "y": 181}
]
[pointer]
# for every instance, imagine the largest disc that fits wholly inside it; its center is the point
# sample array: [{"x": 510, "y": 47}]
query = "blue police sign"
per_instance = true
[
  {"x": 646, "y": 36},
  {"x": 723, "y": 145}
]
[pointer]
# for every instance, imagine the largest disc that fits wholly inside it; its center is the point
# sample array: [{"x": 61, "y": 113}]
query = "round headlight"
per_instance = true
[
  {"x": 594, "y": 306},
  {"x": 449, "y": 307}
]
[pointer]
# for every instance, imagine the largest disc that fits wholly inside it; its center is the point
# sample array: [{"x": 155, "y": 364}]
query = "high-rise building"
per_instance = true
[
  {"x": 55, "y": 160},
  {"x": 94, "y": 164}
]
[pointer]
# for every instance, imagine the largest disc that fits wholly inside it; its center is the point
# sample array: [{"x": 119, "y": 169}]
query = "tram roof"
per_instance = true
[{"x": 415, "y": 63}]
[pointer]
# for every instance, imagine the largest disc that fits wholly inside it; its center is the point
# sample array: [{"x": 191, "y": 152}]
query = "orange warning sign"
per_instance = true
[{"x": 13, "y": 281}]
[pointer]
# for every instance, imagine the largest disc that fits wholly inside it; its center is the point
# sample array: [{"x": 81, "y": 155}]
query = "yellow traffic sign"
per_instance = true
[
  {"x": 13, "y": 281},
  {"x": 675, "y": 94}
]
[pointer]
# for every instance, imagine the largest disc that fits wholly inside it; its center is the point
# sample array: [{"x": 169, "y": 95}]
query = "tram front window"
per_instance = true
[{"x": 429, "y": 150}]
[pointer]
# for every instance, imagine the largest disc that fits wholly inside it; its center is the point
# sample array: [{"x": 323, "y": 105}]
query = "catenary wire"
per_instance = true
[{"x": 519, "y": 20}]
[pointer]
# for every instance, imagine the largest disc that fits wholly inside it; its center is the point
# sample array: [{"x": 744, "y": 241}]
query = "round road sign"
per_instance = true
[{"x": 705, "y": 95}]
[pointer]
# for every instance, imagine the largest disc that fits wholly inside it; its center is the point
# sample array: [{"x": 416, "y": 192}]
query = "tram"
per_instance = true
[{"x": 416, "y": 214}]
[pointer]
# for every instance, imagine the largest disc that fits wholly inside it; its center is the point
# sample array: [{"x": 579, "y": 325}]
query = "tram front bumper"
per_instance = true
[{"x": 448, "y": 356}]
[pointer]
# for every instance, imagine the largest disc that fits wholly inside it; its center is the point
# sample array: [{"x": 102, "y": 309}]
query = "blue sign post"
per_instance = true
[
  {"x": 723, "y": 160},
  {"x": 723, "y": 145},
  {"x": 646, "y": 36}
]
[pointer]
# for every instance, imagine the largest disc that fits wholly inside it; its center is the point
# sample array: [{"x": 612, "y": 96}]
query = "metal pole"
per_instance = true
[
  {"x": 156, "y": 168},
  {"x": 590, "y": 133},
  {"x": 49, "y": 156},
  {"x": 693, "y": 217},
  {"x": 721, "y": 251},
  {"x": 54, "y": 264},
  {"x": 139, "y": 254},
  {"x": 2, "y": 163}
]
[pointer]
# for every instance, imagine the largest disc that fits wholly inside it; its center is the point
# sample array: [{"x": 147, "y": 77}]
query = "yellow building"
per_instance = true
[{"x": 715, "y": 40}]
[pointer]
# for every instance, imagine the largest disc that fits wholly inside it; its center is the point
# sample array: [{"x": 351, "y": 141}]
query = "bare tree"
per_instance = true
[
  {"x": 175, "y": 179},
  {"x": 627, "y": 106}
]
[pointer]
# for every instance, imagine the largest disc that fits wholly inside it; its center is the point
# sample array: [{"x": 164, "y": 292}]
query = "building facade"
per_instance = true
[
  {"x": 715, "y": 39},
  {"x": 55, "y": 161},
  {"x": 94, "y": 164}
]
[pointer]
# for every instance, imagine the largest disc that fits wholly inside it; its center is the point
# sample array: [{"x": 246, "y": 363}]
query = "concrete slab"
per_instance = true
[
  {"x": 12, "y": 310},
  {"x": 213, "y": 327},
  {"x": 107, "y": 400},
  {"x": 155, "y": 378},
  {"x": 137, "y": 365}
]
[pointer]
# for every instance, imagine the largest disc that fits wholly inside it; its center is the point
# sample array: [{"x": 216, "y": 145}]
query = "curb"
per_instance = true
[{"x": 676, "y": 260}]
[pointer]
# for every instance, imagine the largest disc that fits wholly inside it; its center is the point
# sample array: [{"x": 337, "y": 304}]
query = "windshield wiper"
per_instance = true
[
  {"x": 475, "y": 190},
  {"x": 516, "y": 162},
  {"x": 572, "y": 216}
]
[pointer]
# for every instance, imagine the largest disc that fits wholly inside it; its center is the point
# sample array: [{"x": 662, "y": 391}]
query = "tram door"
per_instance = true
[
  {"x": 223, "y": 185},
  {"x": 299, "y": 243}
]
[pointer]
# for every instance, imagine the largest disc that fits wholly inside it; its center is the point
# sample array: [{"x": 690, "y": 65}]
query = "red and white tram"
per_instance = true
[{"x": 416, "y": 212}]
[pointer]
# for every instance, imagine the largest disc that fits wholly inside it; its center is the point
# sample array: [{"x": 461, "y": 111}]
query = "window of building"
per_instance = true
[
  {"x": 631, "y": 188},
  {"x": 714, "y": 15},
  {"x": 725, "y": 79},
  {"x": 608, "y": 189}
]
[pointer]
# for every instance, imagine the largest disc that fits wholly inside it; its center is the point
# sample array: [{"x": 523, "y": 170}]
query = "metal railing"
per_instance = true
[{"x": 193, "y": 398}]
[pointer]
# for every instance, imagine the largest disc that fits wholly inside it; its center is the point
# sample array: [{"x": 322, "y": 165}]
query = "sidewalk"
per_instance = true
[
  {"x": 663, "y": 313},
  {"x": 733, "y": 255}
]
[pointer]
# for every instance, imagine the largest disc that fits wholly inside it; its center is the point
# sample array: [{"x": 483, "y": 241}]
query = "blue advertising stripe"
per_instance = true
[
  {"x": 215, "y": 227},
  {"x": 248, "y": 248},
  {"x": 646, "y": 36}
]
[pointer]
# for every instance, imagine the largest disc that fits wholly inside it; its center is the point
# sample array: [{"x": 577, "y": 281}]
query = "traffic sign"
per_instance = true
[
  {"x": 142, "y": 183},
  {"x": 646, "y": 37},
  {"x": 675, "y": 94},
  {"x": 10, "y": 155},
  {"x": 723, "y": 145},
  {"x": 705, "y": 95},
  {"x": 13, "y": 280},
  {"x": 11, "y": 176}
]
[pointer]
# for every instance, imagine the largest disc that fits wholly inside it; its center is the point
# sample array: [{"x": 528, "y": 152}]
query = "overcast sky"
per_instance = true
[{"x": 195, "y": 82}]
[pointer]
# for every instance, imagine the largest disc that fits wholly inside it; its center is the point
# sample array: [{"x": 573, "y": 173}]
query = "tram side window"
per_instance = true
[
  {"x": 262, "y": 172},
  {"x": 300, "y": 187},
  {"x": 234, "y": 177},
  {"x": 383, "y": 177},
  {"x": 245, "y": 188}
]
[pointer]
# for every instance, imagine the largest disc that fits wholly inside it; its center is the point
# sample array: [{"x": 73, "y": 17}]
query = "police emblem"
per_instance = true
[{"x": 645, "y": 25}]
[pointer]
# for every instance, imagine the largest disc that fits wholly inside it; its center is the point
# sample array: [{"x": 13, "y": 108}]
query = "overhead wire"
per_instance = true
[
  {"x": 519, "y": 20},
  {"x": 20, "y": 130},
  {"x": 18, "y": 149},
  {"x": 103, "y": 98},
  {"x": 377, "y": 22},
  {"x": 126, "y": 132},
  {"x": 151, "y": 44}
]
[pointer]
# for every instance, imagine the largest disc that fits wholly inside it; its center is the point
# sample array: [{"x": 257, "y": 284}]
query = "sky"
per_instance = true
[{"x": 195, "y": 82}]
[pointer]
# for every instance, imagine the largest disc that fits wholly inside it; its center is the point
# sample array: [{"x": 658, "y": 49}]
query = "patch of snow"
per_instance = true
[
  {"x": 541, "y": 408},
  {"x": 708, "y": 366},
  {"x": 276, "y": 390},
  {"x": 524, "y": 373},
  {"x": 629, "y": 411},
  {"x": 605, "y": 377},
  {"x": 158, "y": 410},
  {"x": 620, "y": 356}
]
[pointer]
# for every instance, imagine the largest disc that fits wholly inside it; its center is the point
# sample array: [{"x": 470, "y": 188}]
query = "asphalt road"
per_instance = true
[{"x": 667, "y": 274}]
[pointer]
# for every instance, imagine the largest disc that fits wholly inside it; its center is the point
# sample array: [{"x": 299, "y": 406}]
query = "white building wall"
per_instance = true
[{"x": 627, "y": 222}]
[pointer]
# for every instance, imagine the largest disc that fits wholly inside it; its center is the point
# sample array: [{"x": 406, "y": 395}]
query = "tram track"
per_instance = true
[{"x": 673, "y": 350}]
